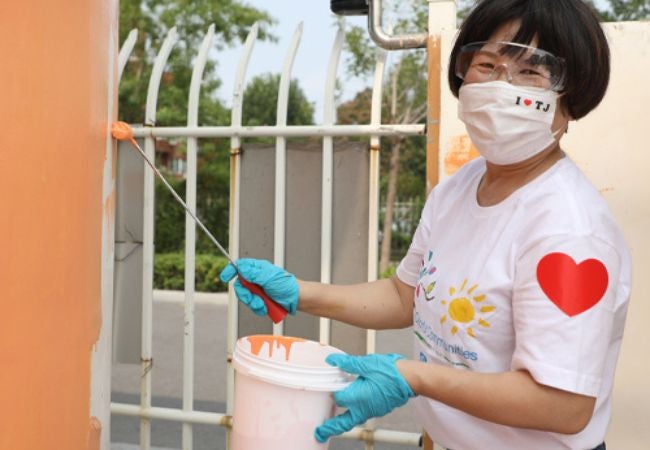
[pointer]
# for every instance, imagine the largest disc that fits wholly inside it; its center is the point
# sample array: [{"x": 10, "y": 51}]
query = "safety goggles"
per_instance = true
[{"x": 519, "y": 64}]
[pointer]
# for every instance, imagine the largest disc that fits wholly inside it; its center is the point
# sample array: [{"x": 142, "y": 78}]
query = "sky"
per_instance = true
[{"x": 312, "y": 58}]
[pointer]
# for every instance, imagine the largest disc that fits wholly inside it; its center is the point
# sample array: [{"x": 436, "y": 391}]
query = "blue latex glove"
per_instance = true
[
  {"x": 378, "y": 389},
  {"x": 279, "y": 284}
]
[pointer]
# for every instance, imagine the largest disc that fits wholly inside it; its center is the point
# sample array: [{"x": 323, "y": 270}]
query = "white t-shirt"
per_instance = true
[{"x": 540, "y": 282}]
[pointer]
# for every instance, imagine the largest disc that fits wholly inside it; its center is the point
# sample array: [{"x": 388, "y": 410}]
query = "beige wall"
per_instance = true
[{"x": 611, "y": 146}]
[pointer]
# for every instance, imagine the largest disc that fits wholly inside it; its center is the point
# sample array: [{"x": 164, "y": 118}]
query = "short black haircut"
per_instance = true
[{"x": 569, "y": 29}]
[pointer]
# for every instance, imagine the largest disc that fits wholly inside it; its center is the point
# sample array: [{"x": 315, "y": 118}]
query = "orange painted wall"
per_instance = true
[{"x": 54, "y": 79}]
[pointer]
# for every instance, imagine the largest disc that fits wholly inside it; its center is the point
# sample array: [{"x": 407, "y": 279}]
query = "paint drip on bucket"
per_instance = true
[{"x": 283, "y": 391}]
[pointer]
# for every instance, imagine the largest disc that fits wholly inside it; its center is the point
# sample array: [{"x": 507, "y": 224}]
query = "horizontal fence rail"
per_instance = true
[
  {"x": 282, "y": 131},
  {"x": 187, "y": 415},
  {"x": 224, "y": 420}
]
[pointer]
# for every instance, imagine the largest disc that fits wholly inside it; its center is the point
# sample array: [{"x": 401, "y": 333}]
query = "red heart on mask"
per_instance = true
[
  {"x": 528, "y": 102},
  {"x": 574, "y": 288}
]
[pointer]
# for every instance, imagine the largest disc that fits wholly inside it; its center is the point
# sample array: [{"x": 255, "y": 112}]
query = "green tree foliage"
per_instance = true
[
  {"x": 411, "y": 181},
  {"x": 169, "y": 272},
  {"x": 211, "y": 205},
  {"x": 357, "y": 110},
  {"x": 153, "y": 19},
  {"x": 261, "y": 98},
  {"x": 620, "y": 10},
  {"x": 169, "y": 217},
  {"x": 404, "y": 101}
]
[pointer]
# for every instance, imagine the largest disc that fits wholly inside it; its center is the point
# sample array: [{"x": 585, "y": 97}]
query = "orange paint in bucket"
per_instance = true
[{"x": 258, "y": 341}]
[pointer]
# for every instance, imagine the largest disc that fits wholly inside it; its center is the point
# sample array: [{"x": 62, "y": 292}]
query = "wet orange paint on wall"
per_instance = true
[
  {"x": 55, "y": 83},
  {"x": 460, "y": 150},
  {"x": 94, "y": 434}
]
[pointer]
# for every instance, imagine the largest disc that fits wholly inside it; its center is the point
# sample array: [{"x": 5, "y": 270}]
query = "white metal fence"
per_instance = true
[{"x": 327, "y": 130}]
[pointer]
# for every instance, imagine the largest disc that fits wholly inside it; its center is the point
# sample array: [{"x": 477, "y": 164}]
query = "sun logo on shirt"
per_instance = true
[{"x": 466, "y": 310}]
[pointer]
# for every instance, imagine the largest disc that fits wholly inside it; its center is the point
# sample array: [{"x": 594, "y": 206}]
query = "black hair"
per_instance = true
[{"x": 568, "y": 29}]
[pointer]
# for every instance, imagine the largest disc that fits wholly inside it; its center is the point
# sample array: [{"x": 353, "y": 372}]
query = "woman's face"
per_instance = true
[{"x": 492, "y": 66}]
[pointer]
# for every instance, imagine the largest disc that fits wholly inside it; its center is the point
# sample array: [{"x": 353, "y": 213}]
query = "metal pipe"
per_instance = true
[
  {"x": 235, "y": 180},
  {"x": 225, "y": 420},
  {"x": 373, "y": 189},
  {"x": 279, "y": 228},
  {"x": 125, "y": 52},
  {"x": 238, "y": 132},
  {"x": 373, "y": 197},
  {"x": 190, "y": 237},
  {"x": 387, "y": 436},
  {"x": 172, "y": 414},
  {"x": 147, "y": 238},
  {"x": 240, "y": 81},
  {"x": 329, "y": 115},
  {"x": 385, "y": 40}
]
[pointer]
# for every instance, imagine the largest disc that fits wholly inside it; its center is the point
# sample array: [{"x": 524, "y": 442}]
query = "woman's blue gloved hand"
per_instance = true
[
  {"x": 378, "y": 389},
  {"x": 279, "y": 284}
]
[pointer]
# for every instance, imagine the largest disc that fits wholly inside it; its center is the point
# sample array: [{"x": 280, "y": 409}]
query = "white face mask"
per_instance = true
[{"x": 507, "y": 124}]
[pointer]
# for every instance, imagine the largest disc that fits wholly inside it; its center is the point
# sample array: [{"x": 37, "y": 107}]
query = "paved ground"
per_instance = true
[{"x": 210, "y": 390}]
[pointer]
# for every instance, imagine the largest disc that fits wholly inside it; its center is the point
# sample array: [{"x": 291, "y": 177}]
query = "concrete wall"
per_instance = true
[
  {"x": 58, "y": 86},
  {"x": 611, "y": 146},
  {"x": 303, "y": 218}
]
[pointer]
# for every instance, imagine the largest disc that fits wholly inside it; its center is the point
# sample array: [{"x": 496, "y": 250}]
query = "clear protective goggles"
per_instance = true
[{"x": 521, "y": 65}]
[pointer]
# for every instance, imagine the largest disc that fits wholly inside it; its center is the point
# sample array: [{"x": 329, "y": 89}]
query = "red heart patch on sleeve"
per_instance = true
[{"x": 574, "y": 288}]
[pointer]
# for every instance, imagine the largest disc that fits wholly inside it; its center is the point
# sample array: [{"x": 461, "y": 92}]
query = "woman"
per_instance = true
[{"x": 517, "y": 280}]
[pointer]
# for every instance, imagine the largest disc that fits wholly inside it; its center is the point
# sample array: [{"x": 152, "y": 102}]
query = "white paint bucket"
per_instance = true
[{"x": 283, "y": 391}]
